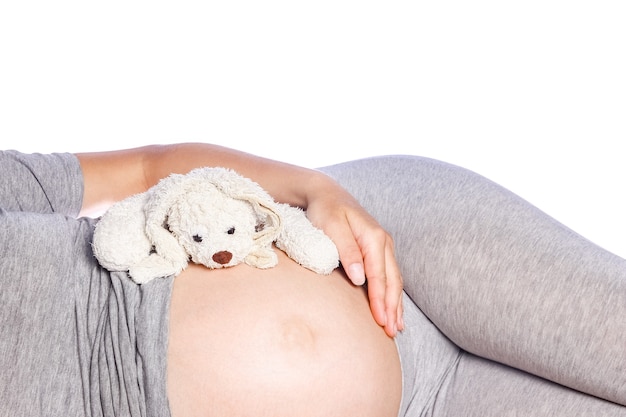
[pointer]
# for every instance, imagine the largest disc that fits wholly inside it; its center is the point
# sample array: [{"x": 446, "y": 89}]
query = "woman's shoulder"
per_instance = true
[{"x": 42, "y": 183}]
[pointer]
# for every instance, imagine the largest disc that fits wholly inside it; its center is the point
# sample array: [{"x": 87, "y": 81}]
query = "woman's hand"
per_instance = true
[{"x": 365, "y": 249}]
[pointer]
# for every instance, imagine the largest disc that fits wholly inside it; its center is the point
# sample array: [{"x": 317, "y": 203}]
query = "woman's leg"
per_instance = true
[
  {"x": 478, "y": 387},
  {"x": 440, "y": 380},
  {"x": 496, "y": 275},
  {"x": 427, "y": 357}
]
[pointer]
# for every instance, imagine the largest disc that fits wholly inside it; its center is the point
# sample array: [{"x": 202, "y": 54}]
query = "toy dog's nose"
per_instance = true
[{"x": 222, "y": 257}]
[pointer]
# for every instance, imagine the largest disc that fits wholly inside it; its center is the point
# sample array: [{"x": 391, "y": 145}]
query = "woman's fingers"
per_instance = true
[
  {"x": 393, "y": 292},
  {"x": 367, "y": 255},
  {"x": 366, "y": 252},
  {"x": 384, "y": 281}
]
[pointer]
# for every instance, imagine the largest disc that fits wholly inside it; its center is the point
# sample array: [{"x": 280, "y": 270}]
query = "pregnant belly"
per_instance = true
[{"x": 277, "y": 342}]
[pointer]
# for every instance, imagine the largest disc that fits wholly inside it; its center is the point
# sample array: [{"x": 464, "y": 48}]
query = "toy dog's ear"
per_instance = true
[
  {"x": 272, "y": 222},
  {"x": 241, "y": 188},
  {"x": 162, "y": 198}
]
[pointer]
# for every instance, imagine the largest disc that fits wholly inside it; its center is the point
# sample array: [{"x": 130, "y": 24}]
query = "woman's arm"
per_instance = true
[
  {"x": 365, "y": 249},
  {"x": 113, "y": 175}
]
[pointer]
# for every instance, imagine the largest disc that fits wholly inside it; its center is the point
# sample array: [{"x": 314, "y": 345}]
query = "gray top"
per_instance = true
[{"x": 94, "y": 341}]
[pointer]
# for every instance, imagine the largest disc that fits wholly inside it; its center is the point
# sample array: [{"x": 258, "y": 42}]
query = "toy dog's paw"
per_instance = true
[
  {"x": 152, "y": 267},
  {"x": 313, "y": 250},
  {"x": 262, "y": 258},
  {"x": 170, "y": 250},
  {"x": 323, "y": 257},
  {"x": 140, "y": 275},
  {"x": 306, "y": 244}
]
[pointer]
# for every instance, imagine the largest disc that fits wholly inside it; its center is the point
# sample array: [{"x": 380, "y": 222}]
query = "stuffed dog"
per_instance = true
[{"x": 210, "y": 216}]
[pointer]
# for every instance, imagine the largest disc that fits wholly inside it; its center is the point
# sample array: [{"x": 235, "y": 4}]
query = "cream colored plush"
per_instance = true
[{"x": 210, "y": 216}]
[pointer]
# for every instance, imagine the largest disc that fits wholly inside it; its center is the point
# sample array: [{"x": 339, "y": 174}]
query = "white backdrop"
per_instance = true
[{"x": 531, "y": 94}]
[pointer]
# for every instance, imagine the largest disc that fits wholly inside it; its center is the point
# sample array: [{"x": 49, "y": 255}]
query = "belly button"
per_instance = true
[{"x": 297, "y": 334}]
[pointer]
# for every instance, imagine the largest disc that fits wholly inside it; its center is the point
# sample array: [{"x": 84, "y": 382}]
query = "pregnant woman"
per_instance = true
[{"x": 504, "y": 310}]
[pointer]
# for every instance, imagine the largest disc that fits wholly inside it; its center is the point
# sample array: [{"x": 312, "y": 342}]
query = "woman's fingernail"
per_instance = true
[{"x": 356, "y": 273}]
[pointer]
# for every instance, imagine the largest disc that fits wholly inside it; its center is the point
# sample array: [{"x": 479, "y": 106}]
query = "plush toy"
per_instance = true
[{"x": 210, "y": 216}]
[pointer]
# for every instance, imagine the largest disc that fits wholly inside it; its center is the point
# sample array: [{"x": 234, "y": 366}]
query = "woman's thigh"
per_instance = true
[
  {"x": 496, "y": 275},
  {"x": 482, "y": 388}
]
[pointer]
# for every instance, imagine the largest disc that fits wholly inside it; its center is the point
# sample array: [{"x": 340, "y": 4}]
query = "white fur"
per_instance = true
[{"x": 206, "y": 212}]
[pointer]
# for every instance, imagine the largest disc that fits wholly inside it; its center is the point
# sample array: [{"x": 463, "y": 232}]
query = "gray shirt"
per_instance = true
[{"x": 75, "y": 339}]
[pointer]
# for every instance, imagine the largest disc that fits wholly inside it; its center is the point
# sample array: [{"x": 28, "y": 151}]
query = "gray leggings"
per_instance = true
[{"x": 508, "y": 312}]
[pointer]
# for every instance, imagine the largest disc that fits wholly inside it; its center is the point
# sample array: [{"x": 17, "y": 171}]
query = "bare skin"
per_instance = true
[{"x": 277, "y": 342}]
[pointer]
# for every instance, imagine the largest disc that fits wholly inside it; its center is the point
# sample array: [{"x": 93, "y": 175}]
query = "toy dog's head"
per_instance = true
[
  {"x": 214, "y": 229},
  {"x": 217, "y": 216}
]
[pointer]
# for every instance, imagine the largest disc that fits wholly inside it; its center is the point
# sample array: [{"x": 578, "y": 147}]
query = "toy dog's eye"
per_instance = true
[
  {"x": 231, "y": 231},
  {"x": 197, "y": 238}
]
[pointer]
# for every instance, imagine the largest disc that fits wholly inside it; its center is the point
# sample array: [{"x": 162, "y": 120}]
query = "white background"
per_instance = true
[{"x": 531, "y": 94}]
